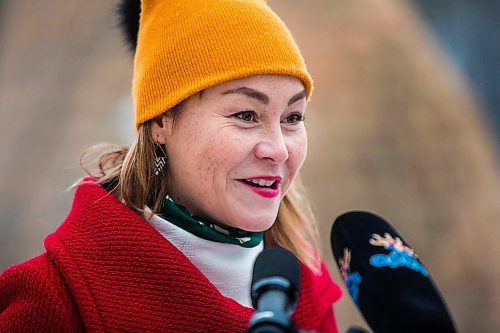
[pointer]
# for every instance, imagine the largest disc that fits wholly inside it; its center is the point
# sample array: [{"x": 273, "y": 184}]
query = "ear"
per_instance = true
[{"x": 160, "y": 129}]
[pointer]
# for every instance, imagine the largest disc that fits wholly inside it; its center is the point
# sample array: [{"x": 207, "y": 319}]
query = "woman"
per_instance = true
[{"x": 163, "y": 237}]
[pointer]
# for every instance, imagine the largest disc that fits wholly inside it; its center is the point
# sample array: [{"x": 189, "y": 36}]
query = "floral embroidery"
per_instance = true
[
  {"x": 400, "y": 255},
  {"x": 352, "y": 279}
]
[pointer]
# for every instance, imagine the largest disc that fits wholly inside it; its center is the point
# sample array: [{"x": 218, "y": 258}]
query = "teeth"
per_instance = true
[{"x": 262, "y": 182}]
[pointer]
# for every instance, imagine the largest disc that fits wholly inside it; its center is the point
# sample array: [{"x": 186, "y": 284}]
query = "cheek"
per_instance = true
[
  {"x": 218, "y": 156},
  {"x": 297, "y": 152},
  {"x": 211, "y": 166},
  {"x": 225, "y": 154}
]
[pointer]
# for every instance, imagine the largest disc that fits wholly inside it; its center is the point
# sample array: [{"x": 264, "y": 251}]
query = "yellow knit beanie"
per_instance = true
[{"x": 185, "y": 46}]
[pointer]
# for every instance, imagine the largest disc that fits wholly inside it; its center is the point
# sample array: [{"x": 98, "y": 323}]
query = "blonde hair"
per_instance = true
[{"x": 128, "y": 174}]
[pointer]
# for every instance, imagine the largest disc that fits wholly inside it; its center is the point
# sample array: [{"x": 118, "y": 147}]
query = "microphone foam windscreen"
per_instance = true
[
  {"x": 387, "y": 282},
  {"x": 277, "y": 262}
]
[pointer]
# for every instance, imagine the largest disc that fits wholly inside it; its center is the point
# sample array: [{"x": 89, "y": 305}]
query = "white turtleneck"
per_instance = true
[{"x": 228, "y": 266}]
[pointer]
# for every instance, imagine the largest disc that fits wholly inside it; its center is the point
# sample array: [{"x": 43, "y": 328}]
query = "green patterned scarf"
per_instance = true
[{"x": 179, "y": 216}]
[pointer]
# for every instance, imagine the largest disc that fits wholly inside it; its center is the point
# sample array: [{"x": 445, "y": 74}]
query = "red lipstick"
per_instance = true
[{"x": 266, "y": 192}]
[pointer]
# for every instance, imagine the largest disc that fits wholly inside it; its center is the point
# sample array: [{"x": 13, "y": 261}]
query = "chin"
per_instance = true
[
  {"x": 248, "y": 219},
  {"x": 258, "y": 226}
]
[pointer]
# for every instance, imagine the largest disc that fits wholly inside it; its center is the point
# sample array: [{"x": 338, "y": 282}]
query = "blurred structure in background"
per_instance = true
[
  {"x": 469, "y": 33},
  {"x": 395, "y": 127}
]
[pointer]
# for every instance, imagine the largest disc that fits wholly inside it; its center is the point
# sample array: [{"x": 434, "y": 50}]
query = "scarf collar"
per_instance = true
[{"x": 180, "y": 217}]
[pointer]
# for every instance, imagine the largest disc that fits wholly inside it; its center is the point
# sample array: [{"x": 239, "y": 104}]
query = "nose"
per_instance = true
[{"x": 272, "y": 146}]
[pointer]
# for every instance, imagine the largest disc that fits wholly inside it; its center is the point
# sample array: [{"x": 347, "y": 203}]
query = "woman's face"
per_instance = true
[{"x": 235, "y": 149}]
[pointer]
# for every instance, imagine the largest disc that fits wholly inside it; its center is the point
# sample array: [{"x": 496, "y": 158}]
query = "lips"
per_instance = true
[
  {"x": 261, "y": 183},
  {"x": 265, "y": 186}
]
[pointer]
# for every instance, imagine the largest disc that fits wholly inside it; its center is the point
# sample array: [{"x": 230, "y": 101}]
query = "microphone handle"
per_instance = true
[{"x": 272, "y": 315}]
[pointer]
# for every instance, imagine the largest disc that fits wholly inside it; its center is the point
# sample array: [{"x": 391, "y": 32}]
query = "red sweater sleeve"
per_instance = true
[
  {"x": 328, "y": 324},
  {"x": 34, "y": 298}
]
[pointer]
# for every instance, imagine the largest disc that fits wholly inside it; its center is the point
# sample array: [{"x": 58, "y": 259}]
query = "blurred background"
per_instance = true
[{"x": 404, "y": 121}]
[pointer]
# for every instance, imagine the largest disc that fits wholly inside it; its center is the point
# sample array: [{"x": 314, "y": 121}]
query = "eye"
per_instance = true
[
  {"x": 246, "y": 116},
  {"x": 294, "y": 118}
]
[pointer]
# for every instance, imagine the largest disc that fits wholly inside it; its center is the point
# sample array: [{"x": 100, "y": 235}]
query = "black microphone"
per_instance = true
[
  {"x": 275, "y": 291},
  {"x": 392, "y": 289}
]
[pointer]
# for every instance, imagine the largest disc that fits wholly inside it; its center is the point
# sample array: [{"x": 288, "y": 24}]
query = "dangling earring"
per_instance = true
[{"x": 160, "y": 159}]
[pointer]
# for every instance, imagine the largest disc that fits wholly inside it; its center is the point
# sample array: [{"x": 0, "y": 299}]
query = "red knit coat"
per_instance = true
[{"x": 106, "y": 269}]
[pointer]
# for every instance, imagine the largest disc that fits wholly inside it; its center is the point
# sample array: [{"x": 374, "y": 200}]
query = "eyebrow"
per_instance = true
[
  {"x": 297, "y": 97},
  {"x": 261, "y": 97}
]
